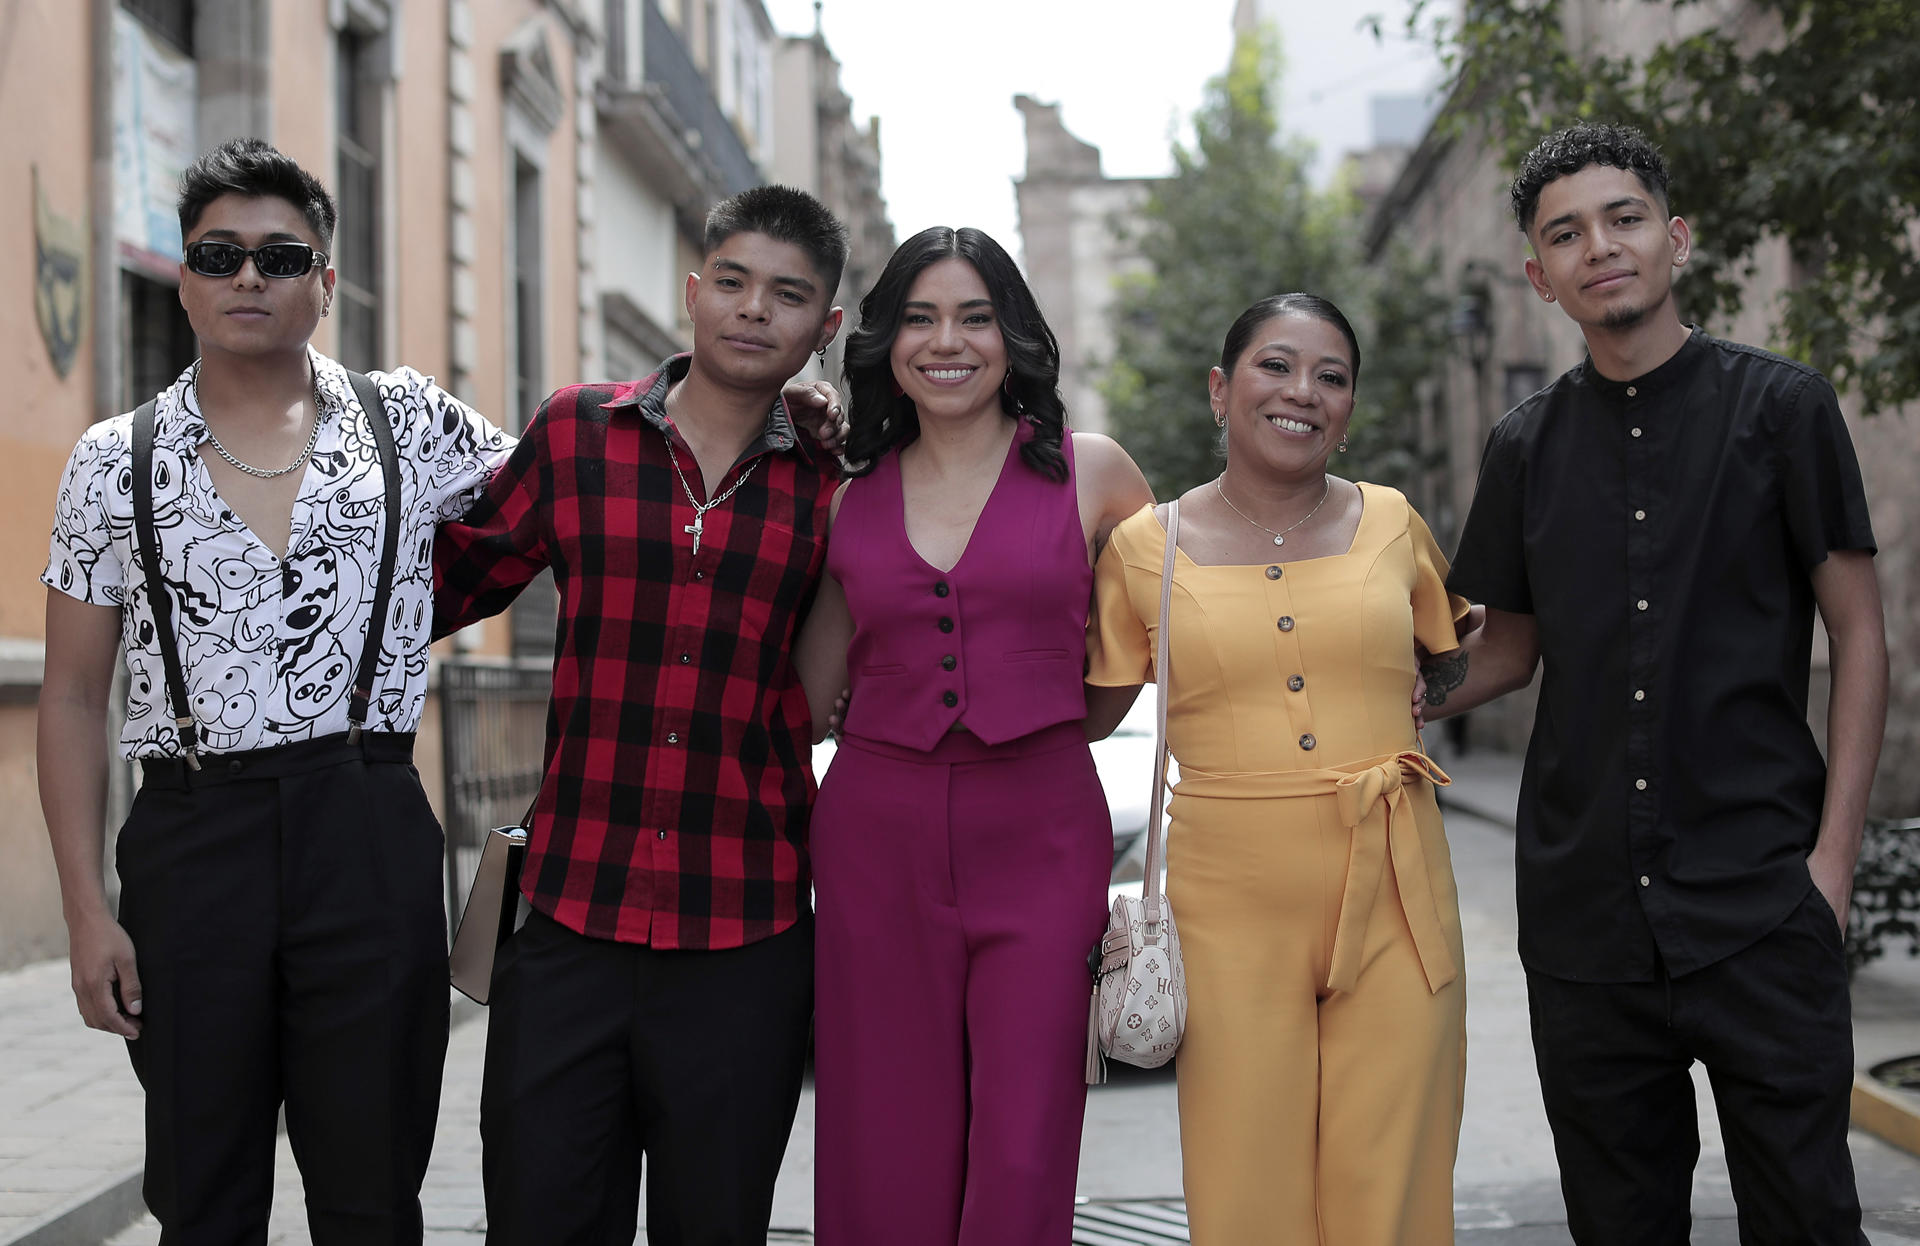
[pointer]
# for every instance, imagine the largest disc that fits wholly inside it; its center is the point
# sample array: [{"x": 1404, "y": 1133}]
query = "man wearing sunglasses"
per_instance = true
[{"x": 281, "y": 936}]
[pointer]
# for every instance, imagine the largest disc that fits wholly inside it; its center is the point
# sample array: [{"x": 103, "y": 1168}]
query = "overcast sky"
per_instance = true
[{"x": 941, "y": 76}]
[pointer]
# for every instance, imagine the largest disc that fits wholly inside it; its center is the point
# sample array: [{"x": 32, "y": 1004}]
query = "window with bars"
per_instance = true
[
  {"x": 616, "y": 21},
  {"x": 534, "y": 614},
  {"x": 157, "y": 339},
  {"x": 172, "y": 20},
  {"x": 359, "y": 93}
]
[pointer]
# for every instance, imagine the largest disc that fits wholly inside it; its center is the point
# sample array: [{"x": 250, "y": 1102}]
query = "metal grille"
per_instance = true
[
  {"x": 493, "y": 730},
  {"x": 157, "y": 337},
  {"x": 1130, "y": 1222}
]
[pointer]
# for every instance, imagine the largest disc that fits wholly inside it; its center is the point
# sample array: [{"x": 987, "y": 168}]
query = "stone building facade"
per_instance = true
[
  {"x": 1076, "y": 242},
  {"x": 821, "y": 149}
]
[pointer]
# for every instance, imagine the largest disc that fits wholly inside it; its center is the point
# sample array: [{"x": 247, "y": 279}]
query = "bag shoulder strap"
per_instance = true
[
  {"x": 1156, "y": 840},
  {"x": 159, "y": 601},
  {"x": 370, "y": 402}
]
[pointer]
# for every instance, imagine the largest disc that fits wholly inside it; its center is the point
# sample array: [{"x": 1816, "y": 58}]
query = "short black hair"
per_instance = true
[
  {"x": 1240, "y": 336},
  {"x": 882, "y": 418},
  {"x": 784, "y": 215},
  {"x": 1565, "y": 152},
  {"x": 254, "y": 168}
]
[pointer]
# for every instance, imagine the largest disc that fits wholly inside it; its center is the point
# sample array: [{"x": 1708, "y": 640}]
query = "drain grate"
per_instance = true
[{"x": 1130, "y": 1222}]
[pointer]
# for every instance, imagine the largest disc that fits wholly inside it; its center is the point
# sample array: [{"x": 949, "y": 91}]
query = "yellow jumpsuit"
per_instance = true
[{"x": 1321, "y": 1074}]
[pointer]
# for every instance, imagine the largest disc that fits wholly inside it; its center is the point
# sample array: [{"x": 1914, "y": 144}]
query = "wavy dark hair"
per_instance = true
[
  {"x": 1240, "y": 336},
  {"x": 884, "y": 419},
  {"x": 1565, "y": 152}
]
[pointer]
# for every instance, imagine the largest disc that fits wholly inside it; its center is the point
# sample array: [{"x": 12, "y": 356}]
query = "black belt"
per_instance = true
[{"x": 278, "y": 761}]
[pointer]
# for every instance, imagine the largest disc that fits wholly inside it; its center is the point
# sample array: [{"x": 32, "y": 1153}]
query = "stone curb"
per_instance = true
[
  {"x": 90, "y": 1217},
  {"x": 1889, "y": 1114}
]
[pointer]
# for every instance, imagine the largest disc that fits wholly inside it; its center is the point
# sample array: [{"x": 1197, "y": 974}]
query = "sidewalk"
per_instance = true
[
  {"x": 1886, "y": 994},
  {"x": 70, "y": 1142}
]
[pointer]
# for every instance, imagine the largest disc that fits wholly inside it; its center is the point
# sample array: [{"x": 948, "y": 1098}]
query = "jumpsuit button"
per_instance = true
[
  {"x": 1273, "y": 573},
  {"x": 948, "y": 663},
  {"x": 1296, "y": 682},
  {"x": 1307, "y": 742},
  {"x": 946, "y": 624},
  {"x": 1645, "y": 881},
  {"x": 940, "y": 588},
  {"x": 1286, "y": 622},
  {"x": 234, "y": 767},
  {"x": 1639, "y": 785},
  {"x": 950, "y": 699}
]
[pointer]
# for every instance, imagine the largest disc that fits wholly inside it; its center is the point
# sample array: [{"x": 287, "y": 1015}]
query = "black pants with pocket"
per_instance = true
[
  {"x": 1773, "y": 1026},
  {"x": 602, "y": 1053},
  {"x": 289, "y": 928}
]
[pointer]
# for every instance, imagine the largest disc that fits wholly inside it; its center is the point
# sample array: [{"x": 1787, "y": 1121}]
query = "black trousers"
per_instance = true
[
  {"x": 289, "y": 928},
  {"x": 1773, "y": 1026},
  {"x": 600, "y": 1053}
]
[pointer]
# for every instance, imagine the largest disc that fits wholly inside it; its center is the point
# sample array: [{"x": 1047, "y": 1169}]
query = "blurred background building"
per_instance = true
[{"x": 521, "y": 185}]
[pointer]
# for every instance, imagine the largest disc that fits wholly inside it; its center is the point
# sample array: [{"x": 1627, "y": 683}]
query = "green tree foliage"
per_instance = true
[
  {"x": 1238, "y": 220},
  {"x": 1795, "y": 119}
]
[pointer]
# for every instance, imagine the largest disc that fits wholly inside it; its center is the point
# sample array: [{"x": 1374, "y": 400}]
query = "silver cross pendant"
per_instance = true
[{"x": 694, "y": 529}]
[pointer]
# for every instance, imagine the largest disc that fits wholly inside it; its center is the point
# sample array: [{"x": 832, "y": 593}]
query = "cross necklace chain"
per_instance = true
[{"x": 700, "y": 509}]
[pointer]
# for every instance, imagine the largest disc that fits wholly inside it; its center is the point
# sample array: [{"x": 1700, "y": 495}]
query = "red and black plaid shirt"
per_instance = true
[{"x": 677, "y": 784}]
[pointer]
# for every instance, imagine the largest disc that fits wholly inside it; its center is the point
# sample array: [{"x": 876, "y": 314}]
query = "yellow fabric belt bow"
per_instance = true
[{"x": 1373, "y": 801}]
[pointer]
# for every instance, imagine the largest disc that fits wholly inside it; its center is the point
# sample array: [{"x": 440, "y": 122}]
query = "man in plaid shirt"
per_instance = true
[{"x": 658, "y": 999}]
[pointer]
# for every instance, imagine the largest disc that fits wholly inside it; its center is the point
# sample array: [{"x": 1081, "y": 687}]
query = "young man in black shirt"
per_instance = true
[{"x": 1655, "y": 529}]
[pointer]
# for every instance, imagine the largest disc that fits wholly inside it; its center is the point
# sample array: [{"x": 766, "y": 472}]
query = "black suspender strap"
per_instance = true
[
  {"x": 370, "y": 402},
  {"x": 158, "y": 599},
  {"x": 161, "y": 603}
]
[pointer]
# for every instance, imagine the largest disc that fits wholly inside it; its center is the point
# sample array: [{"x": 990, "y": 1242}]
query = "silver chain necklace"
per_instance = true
[
  {"x": 700, "y": 509},
  {"x": 1280, "y": 537},
  {"x": 313, "y": 438}
]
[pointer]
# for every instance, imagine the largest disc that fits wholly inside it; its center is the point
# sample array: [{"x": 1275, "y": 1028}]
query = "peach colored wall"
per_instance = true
[
  {"x": 301, "y": 75},
  {"x": 419, "y": 191},
  {"x": 45, "y": 64}
]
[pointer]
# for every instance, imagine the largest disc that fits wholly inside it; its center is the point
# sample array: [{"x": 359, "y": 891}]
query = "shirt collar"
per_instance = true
[
  {"x": 178, "y": 422},
  {"x": 649, "y": 396},
  {"x": 1673, "y": 371}
]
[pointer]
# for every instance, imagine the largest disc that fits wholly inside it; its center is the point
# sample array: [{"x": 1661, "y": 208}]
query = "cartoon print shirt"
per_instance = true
[{"x": 269, "y": 646}]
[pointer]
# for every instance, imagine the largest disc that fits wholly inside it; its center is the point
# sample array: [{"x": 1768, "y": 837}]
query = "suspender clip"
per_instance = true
[{"x": 189, "y": 742}]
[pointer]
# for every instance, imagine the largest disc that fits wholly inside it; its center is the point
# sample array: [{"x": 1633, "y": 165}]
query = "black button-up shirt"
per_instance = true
[{"x": 1661, "y": 531}]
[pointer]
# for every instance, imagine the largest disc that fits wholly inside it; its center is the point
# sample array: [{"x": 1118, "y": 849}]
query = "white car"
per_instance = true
[{"x": 1125, "y": 763}]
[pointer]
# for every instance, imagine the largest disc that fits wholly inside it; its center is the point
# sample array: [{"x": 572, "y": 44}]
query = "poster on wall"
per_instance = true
[{"x": 154, "y": 90}]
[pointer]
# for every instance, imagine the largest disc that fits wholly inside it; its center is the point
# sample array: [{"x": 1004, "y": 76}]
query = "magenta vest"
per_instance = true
[{"x": 997, "y": 644}]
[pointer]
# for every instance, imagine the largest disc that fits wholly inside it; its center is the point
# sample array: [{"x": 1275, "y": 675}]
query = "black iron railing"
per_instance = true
[
  {"x": 683, "y": 88},
  {"x": 493, "y": 725}
]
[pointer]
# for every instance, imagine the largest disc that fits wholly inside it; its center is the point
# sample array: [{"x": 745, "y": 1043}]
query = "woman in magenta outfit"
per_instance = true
[{"x": 961, "y": 840}]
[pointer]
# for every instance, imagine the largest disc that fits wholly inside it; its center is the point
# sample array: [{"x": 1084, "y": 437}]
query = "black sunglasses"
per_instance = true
[{"x": 275, "y": 259}]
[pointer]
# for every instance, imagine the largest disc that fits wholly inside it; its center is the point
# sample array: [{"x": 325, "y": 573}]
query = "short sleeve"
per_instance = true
[
  {"x": 1435, "y": 610},
  {"x": 1824, "y": 500},
  {"x": 1491, "y": 564},
  {"x": 1119, "y": 654},
  {"x": 81, "y": 561},
  {"x": 460, "y": 447}
]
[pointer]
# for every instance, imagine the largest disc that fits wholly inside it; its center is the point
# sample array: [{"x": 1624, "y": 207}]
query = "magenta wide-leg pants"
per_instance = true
[{"x": 958, "y": 893}]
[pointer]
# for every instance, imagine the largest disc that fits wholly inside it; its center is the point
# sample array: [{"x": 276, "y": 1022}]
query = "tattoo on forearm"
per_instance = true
[{"x": 1443, "y": 675}]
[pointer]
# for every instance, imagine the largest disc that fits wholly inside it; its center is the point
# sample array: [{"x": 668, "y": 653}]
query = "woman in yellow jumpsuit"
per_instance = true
[{"x": 1325, "y": 1053}]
